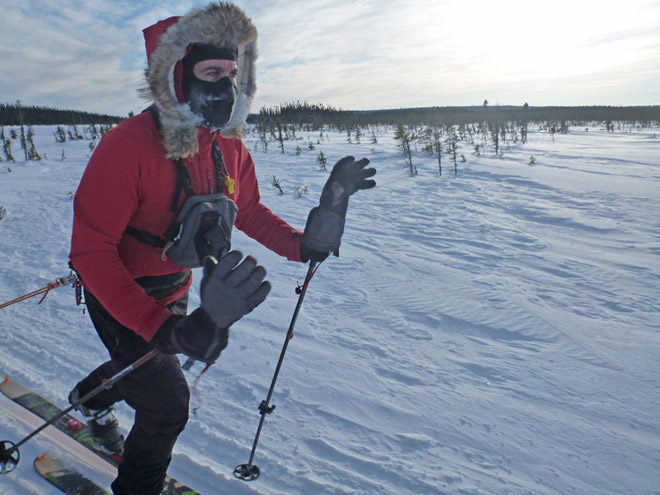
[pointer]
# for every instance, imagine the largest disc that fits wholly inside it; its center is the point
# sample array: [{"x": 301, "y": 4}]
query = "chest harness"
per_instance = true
[{"x": 204, "y": 224}]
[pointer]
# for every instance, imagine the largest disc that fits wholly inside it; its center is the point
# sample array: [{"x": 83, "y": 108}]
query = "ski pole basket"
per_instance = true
[{"x": 9, "y": 456}]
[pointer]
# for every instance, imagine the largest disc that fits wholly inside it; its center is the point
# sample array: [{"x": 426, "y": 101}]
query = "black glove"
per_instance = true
[
  {"x": 194, "y": 335},
  {"x": 229, "y": 291},
  {"x": 325, "y": 223}
]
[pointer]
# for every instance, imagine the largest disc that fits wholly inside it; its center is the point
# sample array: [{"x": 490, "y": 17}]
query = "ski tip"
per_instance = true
[
  {"x": 42, "y": 455},
  {"x": 6, "y": 379}
]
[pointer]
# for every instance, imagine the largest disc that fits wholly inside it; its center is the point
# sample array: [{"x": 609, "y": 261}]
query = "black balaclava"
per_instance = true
[{"x": 214, "y": 101}]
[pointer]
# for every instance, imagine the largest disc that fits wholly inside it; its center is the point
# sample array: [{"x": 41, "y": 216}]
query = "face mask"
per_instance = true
[{"x": 212, "y": 100}]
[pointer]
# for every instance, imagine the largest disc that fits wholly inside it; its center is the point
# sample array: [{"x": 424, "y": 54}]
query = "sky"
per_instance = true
[{"x": 351, "y": 54}]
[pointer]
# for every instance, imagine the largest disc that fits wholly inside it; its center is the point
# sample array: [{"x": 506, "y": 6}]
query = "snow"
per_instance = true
[{"x": 491, "y": 332}]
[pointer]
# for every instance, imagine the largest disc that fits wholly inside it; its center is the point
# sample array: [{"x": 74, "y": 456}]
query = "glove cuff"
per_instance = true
[
  {"x": 323, "y": 230},
  {"x": 161, "y": 338},
  {"x": 186, "y": 332}
]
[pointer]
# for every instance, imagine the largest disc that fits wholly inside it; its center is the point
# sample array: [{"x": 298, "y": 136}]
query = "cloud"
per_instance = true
[
  {"x": 63, "y": 56},
  {"x": 353, "y": 54}
]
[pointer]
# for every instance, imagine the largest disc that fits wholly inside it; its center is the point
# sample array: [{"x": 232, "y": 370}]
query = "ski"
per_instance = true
[
  {"x": 66, "y": 479},
  {"x": 71, "y": 482},
  {"x": 68, "y": 424},
  {"x": 74, "y": 428}
]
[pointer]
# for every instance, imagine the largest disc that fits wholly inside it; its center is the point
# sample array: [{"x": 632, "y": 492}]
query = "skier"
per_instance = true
[{"x": 132, "y": 247}]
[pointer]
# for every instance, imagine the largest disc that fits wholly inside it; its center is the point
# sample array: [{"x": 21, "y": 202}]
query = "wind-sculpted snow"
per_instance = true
[{"x": 492, "y": 332}]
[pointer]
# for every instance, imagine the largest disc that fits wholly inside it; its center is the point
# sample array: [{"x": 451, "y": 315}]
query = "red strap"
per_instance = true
[{"x": 197, "y": 396}]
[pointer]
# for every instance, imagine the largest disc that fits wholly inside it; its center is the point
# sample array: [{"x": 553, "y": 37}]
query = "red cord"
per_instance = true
[
  {"x": 197, "y": 396},
  {"x": 308, "y": 279},
  {"x": 302, "y": 287}
]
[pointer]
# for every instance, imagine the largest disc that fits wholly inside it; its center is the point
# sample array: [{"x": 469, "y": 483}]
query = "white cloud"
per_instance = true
[{"x": 352, "y": 54}]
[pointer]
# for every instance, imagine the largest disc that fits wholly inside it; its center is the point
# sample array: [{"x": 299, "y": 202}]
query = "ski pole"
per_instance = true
[
  {"x": 9, "y": 453},
  {"x": 60, "y": 281},
  {"x": 249, "y": 471}
]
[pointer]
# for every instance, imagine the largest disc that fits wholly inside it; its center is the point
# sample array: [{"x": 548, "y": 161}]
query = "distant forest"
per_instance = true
[
  {"x": 317, "y": 115},
  {"x": 17, "y": 114}
]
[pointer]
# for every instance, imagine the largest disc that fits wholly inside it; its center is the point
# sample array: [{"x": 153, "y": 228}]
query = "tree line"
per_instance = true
[
  {"x": 18, "y": 114},
  {"x": 315, "y": 116}
]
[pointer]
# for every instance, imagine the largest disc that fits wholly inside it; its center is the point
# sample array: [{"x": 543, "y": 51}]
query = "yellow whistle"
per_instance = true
[{"x": 229, "y": 184}]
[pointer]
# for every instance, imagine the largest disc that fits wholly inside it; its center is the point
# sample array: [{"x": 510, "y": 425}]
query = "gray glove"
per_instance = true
[
  {"x": 231, "y": 290},
  {"x": 325, "y": 223}
]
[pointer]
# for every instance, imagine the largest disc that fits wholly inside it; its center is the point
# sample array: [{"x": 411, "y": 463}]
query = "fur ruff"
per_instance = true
[{"x": 219, "y": 24}]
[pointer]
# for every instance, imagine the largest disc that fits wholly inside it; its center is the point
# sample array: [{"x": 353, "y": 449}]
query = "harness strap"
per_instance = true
[
  {"x": 161, "y": 286},
  {"x": 183, "y": 182},
  {"x": 145, "y": 237},
  {"x": 220, "y": 168}
]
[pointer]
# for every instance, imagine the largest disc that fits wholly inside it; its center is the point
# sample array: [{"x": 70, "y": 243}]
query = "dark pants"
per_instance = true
[{"x": 158, "y": 392}]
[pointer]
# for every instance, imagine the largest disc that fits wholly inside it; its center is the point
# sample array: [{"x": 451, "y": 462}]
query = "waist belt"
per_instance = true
[{"x": 162, "y": 286}]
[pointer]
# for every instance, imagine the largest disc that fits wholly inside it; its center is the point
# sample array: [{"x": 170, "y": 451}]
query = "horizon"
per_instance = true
[
  {"x": 256, "y": 112},
  {"x": 358, "y": 55}
]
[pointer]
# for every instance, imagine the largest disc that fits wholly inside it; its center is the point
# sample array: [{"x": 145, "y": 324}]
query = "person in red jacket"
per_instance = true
[{"x": 127, "y": 218}]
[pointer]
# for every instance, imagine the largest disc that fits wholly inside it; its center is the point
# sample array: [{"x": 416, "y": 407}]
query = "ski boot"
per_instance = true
[{"x": 103, "y": 426}]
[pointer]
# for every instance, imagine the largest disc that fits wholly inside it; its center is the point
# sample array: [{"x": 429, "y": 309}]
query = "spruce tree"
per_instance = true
[
  {"x": 402, "y": 137},
  {"x": 60, "y": 135},
  {"x": 322, "y": 160},
  {"x": 31, "y": 153},
  {"x": 6, "y": 146}
]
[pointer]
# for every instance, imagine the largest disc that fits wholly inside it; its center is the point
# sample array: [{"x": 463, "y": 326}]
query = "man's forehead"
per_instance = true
[{"x": 215, "y": 63}]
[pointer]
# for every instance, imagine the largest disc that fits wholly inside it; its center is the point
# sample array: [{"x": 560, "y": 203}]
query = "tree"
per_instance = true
[
  {"x": 277, "y": 184},
  {"x": 322, "y": 160},
  {"x": 495, "y": 132},
  {"x": 24, "y": 143},
  {"x": 6, "y": 146},
  {"x": 60, "y": 135},
  {"x": 438, "y": 147},
  {"x": 402, "y": 137},
  {"x": 451, "y": 149},
  {"x": 263, "y": 135},
  {"x": 31, "y": 152},
  {"x": 280, "y": 137},
  {"x": 523, "y": 124}
]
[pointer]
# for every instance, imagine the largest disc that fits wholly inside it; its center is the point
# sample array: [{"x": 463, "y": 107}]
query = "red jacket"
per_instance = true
[{"x": 128, "y": 181}]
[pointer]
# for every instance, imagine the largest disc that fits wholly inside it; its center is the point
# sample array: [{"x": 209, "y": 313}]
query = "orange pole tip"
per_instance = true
[
  {"x": 6, "y": 379},
  {"x": 43, "y": 455}
]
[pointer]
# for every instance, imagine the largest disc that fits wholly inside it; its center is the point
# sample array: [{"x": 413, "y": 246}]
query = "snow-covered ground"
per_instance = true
[{"x": 494, "y": 332}]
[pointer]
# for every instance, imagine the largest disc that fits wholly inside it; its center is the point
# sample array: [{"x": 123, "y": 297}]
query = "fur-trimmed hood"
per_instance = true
[{"x": 167, "y": 42}]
